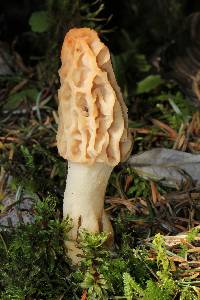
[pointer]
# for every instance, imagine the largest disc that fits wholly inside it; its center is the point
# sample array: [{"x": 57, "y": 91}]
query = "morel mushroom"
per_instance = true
[{"x": 92, "y": 133}]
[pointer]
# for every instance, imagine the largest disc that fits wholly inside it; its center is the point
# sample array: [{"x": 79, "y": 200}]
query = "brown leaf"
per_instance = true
[{"x": 84, "y": 295}]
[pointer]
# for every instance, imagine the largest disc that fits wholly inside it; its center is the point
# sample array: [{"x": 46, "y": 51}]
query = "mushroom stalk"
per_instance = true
[{"x": 84, "y": 201}]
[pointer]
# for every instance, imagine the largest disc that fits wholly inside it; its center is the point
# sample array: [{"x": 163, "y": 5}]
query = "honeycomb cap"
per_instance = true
[{"x": 93, "y": 120}]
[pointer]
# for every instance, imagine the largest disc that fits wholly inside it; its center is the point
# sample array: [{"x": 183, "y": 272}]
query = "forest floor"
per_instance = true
[{"x": 156, "y": 220}]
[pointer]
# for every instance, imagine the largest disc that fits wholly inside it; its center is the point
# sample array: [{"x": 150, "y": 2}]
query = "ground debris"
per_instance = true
[{"x": 13, "y": 212}]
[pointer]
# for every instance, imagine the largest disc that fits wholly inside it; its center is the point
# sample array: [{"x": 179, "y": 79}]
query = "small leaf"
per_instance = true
[
  {"x": 39, "y": 21},
  {"x": 16, "y": 99},
  {"x": 13, "y": 101},
  {"x": 148, "y": 84}
]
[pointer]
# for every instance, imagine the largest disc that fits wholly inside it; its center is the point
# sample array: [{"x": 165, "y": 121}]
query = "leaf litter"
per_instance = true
[{"x": 166, "y": 200}]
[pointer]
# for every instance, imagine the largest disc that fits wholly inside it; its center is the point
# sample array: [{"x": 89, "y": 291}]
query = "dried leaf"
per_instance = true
[
  {"x": 5, "y": 60},
  {"x": 170, "y": 167}
]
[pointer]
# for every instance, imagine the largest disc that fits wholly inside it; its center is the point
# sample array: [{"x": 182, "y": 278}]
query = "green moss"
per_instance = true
[{"x": 34, "y": 263}]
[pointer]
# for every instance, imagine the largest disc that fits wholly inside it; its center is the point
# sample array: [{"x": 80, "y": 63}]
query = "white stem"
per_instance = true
[{"x": 84, "y": 198}]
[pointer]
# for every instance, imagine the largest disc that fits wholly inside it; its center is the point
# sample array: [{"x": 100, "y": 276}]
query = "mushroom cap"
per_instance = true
[{"x": 93, "y": 121}]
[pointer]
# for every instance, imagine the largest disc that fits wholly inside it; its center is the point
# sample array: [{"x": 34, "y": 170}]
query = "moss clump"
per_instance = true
[{"x": 32, "y": 257}]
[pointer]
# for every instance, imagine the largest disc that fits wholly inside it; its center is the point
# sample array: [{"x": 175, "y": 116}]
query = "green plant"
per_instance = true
[
  {"x": 165, "y": 287},
  {"x": 35, "y": 264},
  {"x": 39, "y": 21},
  {"x": 131, "y": 288},
  {"x": 192, "y": 234},
  {"x": 94, "y": 256}
]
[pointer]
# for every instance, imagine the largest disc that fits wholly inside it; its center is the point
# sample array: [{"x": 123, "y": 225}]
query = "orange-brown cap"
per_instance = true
[{"x": 92, "y": 114}]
